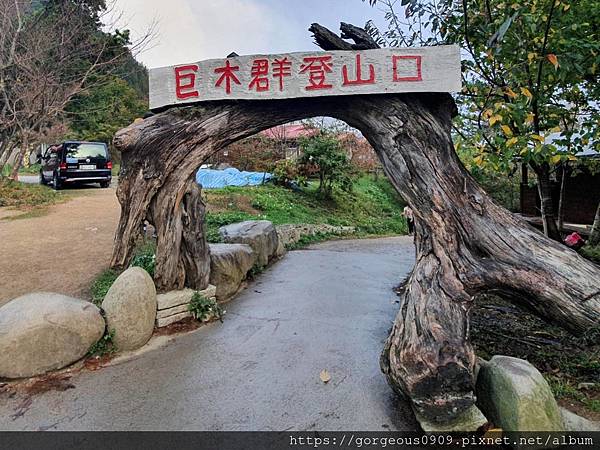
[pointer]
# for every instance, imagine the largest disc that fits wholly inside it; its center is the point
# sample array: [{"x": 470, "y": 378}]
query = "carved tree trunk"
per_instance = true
[
  {"x": 466, "y": 244},
  {"x": 179, "y": 225}
]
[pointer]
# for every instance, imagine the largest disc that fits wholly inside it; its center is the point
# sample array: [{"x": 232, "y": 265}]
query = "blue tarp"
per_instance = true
[{"x": 214, "y": 179}]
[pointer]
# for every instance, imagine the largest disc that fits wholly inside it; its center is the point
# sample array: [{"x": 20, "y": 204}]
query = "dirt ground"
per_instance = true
[{"x": 60, "y": 251}]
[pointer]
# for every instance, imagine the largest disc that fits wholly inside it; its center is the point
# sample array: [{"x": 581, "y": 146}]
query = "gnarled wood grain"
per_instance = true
[{"x": 466, "y": 244}]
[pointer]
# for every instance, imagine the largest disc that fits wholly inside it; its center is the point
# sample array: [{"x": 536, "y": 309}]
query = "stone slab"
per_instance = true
[
  {"x": 183, "y": 297},
  {"x": 172, "y": 319}
]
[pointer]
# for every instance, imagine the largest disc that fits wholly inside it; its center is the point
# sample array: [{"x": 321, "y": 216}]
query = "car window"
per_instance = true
[{"x": 85, "y": 150}]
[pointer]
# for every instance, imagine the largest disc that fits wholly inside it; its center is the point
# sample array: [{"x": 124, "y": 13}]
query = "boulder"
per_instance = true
[
  {"x": 468, "y": 422},
  {"x": 258, "y": 234},
  {"x": 514, "y": 395},
  {"x": 43, "y": 331},
  {"x": 229, "y": 266},
  {"x": 573, "y": 422},
  {"x": 130, "y": 308}
]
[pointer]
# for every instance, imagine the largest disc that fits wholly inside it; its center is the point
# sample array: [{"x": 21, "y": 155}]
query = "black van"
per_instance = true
[{"x": 76, "y": 162}]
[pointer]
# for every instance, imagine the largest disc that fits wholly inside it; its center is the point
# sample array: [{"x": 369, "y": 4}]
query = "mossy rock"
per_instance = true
[{"x": 514, "y": 395}]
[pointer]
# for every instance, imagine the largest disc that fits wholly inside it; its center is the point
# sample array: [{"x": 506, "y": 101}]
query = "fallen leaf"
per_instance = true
[{"x": 324, "y": 376}]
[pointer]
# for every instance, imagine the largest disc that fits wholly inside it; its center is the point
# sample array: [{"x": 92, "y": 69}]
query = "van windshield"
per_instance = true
[{"x": 85, "y": 150}]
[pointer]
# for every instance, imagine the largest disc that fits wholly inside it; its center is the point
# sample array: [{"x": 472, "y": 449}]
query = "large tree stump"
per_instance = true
[{"x": 466, "y": 244}]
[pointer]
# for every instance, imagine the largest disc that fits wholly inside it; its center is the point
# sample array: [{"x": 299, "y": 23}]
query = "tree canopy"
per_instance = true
[{"x": 530, "y": 76}]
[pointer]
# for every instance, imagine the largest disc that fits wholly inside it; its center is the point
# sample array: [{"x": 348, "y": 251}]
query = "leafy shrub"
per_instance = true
[
  {"x": 288, "y": 171},
  {"x": 146, "y": 262},
  {"x": 204, "y": 309},
  {"x": 325, "y": 153}
]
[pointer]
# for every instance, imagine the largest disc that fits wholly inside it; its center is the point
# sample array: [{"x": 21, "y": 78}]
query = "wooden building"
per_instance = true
[{"x": 581, "y": 194}]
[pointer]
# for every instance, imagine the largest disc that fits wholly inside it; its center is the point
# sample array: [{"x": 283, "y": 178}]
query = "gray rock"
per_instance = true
[
  {"x": 166, "y": 321},
  {"x": 281, "y": 250},
  {"x": 258, "y": 234},
  {"x": 42, "y": 331},
  {"x": 290, "y": 234},
  {"x": 573, "y": 422},
  {"x": 514, "y": 395},
  {"x": 470, "y": 421},
  {"x": 229, "y": 266},
  {"x": 130, "y": 308}
]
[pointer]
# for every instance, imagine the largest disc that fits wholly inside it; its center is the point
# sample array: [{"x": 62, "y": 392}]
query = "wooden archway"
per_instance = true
[{"x": 466, "y": 244}]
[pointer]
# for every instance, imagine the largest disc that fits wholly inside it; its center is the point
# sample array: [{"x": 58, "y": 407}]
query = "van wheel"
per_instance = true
[
  {"x": 104, "y": 184},
  {"x": 56, "y": 182},
  {"x": 42, "y": 179}
]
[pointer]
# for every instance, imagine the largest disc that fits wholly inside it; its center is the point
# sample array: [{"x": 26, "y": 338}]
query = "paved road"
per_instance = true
[{"x": 328, "y": 307}]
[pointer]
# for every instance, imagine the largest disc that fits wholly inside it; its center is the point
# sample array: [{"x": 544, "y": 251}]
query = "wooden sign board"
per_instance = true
[{"x": 312, "y": 74}]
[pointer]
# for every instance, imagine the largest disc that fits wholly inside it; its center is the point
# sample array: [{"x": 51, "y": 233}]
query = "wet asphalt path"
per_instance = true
[{"x": 327, "y": 307}]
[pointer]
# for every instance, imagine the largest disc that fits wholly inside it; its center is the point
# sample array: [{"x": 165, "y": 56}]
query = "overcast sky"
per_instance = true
[{"x": 193, "y": 30}]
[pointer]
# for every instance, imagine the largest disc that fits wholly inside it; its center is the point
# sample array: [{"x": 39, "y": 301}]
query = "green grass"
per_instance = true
[
  {"x": 33, "y": 169},
  {"x": 21, "y": 195},
  {"x": 567, "y": 389},
  {"x": 373, "y": 207},
  {"x": 591, "y": 253}
]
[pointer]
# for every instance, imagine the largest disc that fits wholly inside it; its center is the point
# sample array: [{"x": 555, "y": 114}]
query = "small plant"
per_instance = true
[
  {"x": 145, "y": 257},
  {"x": 255, "y": 271},
  {"x": 204, "y": 309},
  {"x": 102, "y": 284},
  {"x": 105, "y": 346}
]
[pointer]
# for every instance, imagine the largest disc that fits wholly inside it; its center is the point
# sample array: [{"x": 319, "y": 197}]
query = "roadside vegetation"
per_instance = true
[
  {"x": 372, "y": 206},
  {"x": 24, "y": 196}
]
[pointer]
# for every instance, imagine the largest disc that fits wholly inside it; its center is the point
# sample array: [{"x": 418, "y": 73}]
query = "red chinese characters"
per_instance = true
[
  {"x": 317, "y": 67},
  {"x": 316, "y": 74},
  {"x": 282, "y": 68},
  {"x": 358, "y": 80},
  {"x": 396, "y": 59},
  {"x": 185, "y": 82},
  {"x": 260, "y": 75},
  {"x": 228, "y": 75}
]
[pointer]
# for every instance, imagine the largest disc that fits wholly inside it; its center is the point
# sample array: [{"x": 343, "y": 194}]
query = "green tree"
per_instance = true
[
  {"x": 325, "y": 153},
  {"x": 529, "y": 77},
  {"x": 51, "y": 52},
  {"x": 97, "y": 114}
]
